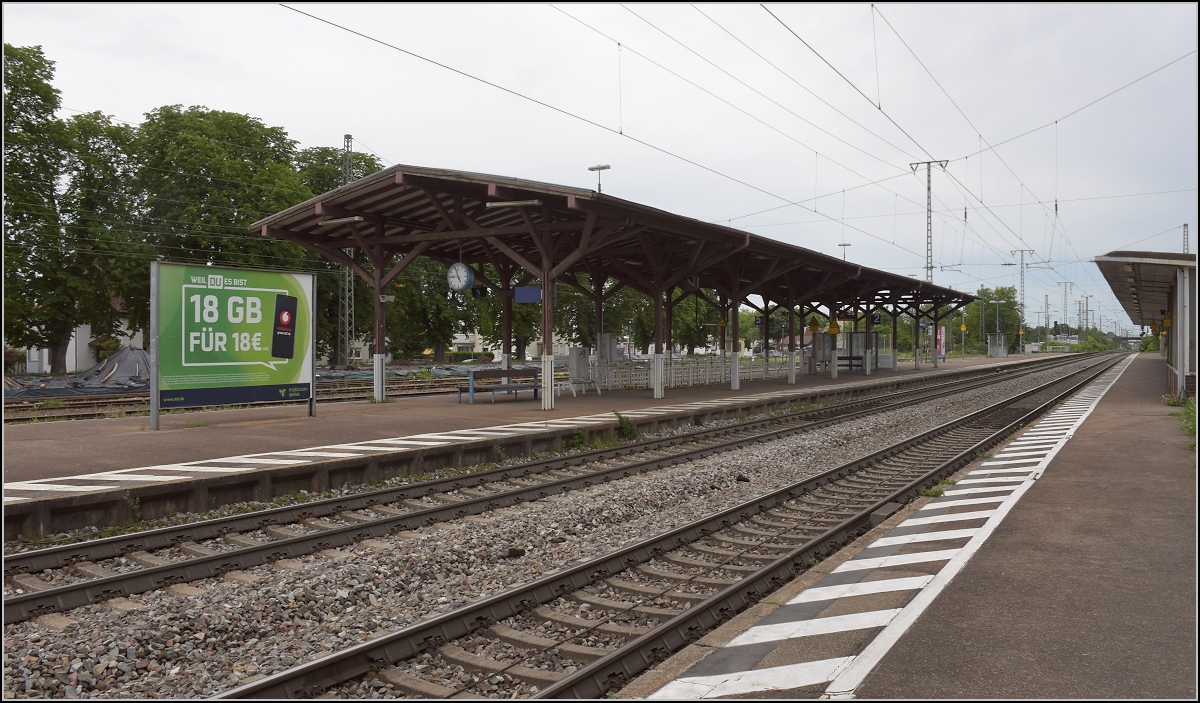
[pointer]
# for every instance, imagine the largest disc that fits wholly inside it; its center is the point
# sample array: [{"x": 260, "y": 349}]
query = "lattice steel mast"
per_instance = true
[
  {"x": 346, "y": 334},
  {"x": 928, "y": 213}
]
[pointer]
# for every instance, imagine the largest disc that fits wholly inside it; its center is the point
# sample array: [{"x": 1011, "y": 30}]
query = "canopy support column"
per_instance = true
[
  {"x": 833, "y": 354},
  {"x": 656, "y": 366},
  {"x": 547, "y": 341},
  {"x": 791, "y": 360}
]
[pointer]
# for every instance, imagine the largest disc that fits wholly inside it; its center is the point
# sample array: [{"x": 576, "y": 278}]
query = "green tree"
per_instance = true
[
  {"x": 575, "y": 315},
  {"x": 750, "y": 333},
  {"x": 207, "y": 175},
  {"x": 70, "y": 254},
  {"x": 98, "y": 208},
  {"x": 34, "y": 142},
  {"x": 320, "y": 168},
  {"x": 320, "y": 171},
  {"x": 485, "y": 314},
  {"x": 982, "y": 318},
  {"x": 693, "y": 322},
  {"x": 426, "y": 314}
]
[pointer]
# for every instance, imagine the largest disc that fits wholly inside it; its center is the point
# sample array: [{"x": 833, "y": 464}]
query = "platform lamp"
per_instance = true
[{"x": 598, "y": 169}]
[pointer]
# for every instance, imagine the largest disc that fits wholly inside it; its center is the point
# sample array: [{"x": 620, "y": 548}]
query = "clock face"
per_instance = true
[{"x": 460, "y": 277}]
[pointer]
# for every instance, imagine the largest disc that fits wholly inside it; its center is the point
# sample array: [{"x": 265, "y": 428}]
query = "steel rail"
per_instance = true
[
  {"x": 66, "y": 597},
  {"x": 317, "y": 676},
  {"x": 613, "y": 670},
  {"x": 25, "y": 409},
  {"x": 112, "y": 547}
]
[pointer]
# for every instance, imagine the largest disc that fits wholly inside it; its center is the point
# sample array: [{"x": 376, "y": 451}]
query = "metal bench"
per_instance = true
[{"x": 510, "y": 387}]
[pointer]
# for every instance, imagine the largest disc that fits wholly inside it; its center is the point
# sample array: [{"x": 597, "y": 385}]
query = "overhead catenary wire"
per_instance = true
[
  {"x": 1005, "y": 163},
  {"x": 723, "y": 100},
  {"x": 1077, "y": 110},
  {"x": 848, "y": 81},
  {"x": 816, "y": 156},
  {"x": 803, "y": 87},
  {"x": 202, "y": 135},
  {"x": 580, "y": 118}
]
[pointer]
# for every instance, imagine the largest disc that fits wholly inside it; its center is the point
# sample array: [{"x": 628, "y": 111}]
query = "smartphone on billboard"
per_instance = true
[{"x": 283, "y": 336}]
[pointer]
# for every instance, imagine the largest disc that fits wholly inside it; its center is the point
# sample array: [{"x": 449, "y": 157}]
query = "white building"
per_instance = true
[{"x": 82, "y": 351}]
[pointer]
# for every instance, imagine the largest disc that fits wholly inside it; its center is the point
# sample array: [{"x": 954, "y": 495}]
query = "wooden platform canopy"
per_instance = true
[{"x": 530, "y": 231}]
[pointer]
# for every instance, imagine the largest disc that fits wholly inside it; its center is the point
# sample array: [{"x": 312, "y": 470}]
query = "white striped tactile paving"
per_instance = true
[
  {"x": 771, "y": 655},
  {"x": 23, "y": 491}
]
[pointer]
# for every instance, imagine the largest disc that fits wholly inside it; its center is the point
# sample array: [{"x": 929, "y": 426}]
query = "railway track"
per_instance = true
[
  {"x": 588, "y": 628},
  {"x": 69, "y": 576}
]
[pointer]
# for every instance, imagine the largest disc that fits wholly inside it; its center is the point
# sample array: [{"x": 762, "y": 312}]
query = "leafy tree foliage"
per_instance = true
[
  {"x": 320, "y": 168},
  {"x": 34, "y": 142},
  {"x": 426, "y": 314},
  {"x": 485, "y": 313},
  {"x": 693, "y": 323},
  {"x": 207, "y": 174},
  {"x": 97, "y": 208},
  {"x": 68, "y": 206},
  {"x": 320, "y": 171},
  {"x": 982, "y": 318}
]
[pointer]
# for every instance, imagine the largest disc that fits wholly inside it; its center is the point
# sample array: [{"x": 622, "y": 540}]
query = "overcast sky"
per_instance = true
[{"x": 797, "y": 122}]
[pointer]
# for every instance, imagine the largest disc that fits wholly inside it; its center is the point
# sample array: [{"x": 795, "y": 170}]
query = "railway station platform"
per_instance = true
[
  {"x": 68, "y": 475},
  {"x": 54, "y": 450},
  {"x": 1062, "y": 567}
]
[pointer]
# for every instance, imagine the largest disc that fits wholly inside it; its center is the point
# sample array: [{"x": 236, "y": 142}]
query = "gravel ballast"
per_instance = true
[{"x": 163, "y": 644}]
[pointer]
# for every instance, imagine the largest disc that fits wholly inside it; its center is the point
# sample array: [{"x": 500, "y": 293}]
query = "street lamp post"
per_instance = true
[{"x": 598, "y": 169}]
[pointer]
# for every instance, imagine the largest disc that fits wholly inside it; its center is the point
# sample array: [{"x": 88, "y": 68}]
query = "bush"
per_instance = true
[
  {"x": 13, "y": 358},
  {"x": 1188, "y": 419},
  {"x": 628, "y": 430}
]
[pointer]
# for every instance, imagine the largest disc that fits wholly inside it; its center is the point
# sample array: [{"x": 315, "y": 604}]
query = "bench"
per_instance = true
[
  {"x": 851, "y": 361},
  {"x": 513, "y": 386}
]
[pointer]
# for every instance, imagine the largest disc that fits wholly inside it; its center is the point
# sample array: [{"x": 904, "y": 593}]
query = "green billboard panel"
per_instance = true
[{"x": 232, "y": 336}]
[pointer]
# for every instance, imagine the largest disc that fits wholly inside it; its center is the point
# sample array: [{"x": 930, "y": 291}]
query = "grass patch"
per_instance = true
[
  {"x": 577, "y": 441},
  {"x": 947, "y": 482},
  {"x": 628, "y": 430},
  {"x": 1188, "y": 419},
  {"x": 195, "y": 423},
  {"x": 931, "y": 492}
]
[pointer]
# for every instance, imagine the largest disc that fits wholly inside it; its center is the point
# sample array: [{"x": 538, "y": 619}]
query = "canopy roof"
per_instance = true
[
  {"x": 556, "y": 232},
  {"x": 1143, "y": 281}
]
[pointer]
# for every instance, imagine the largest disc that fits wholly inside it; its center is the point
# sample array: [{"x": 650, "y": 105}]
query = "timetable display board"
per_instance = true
[{"x": 229, "y": 336}]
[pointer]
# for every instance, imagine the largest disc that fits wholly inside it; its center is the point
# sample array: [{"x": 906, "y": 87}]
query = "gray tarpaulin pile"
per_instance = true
[{"x": 128, "y": 368}]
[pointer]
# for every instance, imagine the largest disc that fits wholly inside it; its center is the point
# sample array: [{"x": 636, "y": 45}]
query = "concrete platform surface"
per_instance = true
[
  {"x": 1062, "y": 567},
  {"x": 1088, "y": 589},
  {"x": 46, "y": 450}
]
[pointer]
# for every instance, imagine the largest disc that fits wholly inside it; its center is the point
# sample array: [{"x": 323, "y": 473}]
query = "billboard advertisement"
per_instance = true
[{"x": 225, "y": 336}]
